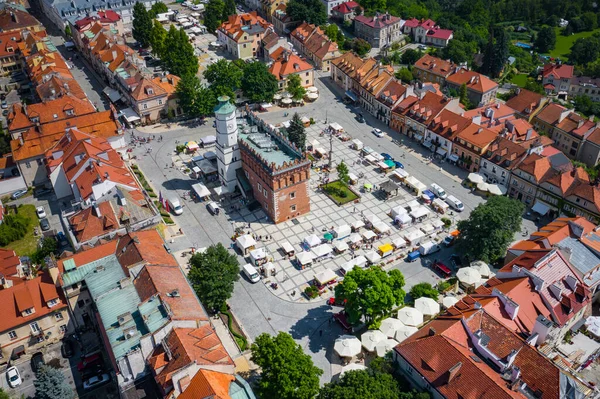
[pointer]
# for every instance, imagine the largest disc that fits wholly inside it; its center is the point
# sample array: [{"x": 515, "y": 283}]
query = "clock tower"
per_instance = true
[{"x": 228, "y": 152}]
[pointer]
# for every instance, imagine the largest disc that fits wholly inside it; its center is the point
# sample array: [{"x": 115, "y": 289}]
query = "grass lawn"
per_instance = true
[
  {"x": 28, "y": 244},
  {"x": 334, "y": 192},
  {"x": 520, "y": 79},
  {"x": 564, "y": 43}
]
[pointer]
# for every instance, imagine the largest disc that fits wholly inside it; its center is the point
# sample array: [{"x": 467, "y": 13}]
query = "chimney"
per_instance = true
[
  {"x": 529, "y": 134},
  {"x": 541, "y": 327},
  {"x": 114, "y": 54},
  {"x": 580, "y": 123},
  {"x": 452, "y": 373},
  {"x": 515, "y": 374},
  {"x": 563, "y": 115},
  {"x": 96, "y": 210}
]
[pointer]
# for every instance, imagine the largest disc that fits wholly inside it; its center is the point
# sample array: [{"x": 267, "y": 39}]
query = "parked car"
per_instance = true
[
  {"x": 37, "y": 361},
  {"x": 67, "y": 348},
  {"x": 96, "y": 381},
  {"x": 449, "y": 240},
  {"x": 387, "y": 157},
  {"x": 41, "y": 212},
  {"x": 18, "y": 194},
  {"x": 360, "y": 118},
  {"x": 398, "y": 165},
  {"x": 61, "y": 238},
  {"x": 44, "y": 224},
  {"x": 14, "y": 377},
  {"x": 378, "y": 132},
  {"x": 90, "y": 361},
  {"x": 4, "y": 105}
]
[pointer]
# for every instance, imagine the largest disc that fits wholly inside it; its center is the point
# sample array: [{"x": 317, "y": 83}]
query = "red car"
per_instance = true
[
  {"x": 90, "y": 361},
  {"x": 445, "y": 270}
]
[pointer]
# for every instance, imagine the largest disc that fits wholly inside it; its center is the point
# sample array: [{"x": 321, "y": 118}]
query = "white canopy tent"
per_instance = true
[
  {"x": 371, "y": 159},
  {"x": 358, "y": 224},
  {"x": 325, "y": 276},
  {"x": 373, "y": 256},
  {"x": 427, "y": 306},
  {"x": 414, "y": 204},
  {"x": 371, "y": 219},
  {"x": 401, "y": 174},
  {"x": 383, "y": 165},
  {"x": 359, "y": 261},
  {"x": 287, "y": 247},
  {"x": 245, "y": 242},
  {"x": 354, "y": 238},
  {"x": 312, "y": 240},
  {"x": 129, "y": 114},
  {"x": 371, "y": 338},
  {"x": 357, "y": 144},
  {"x": 381, "y": 227},
  {"x": 342, "y": 231},
  {"x": 404, "y": 332},
  {"x": 437, "y": 224},
  {"x": 347, "y": 346},
  {"x": 403, "y": 219},
  {"x": 336, "y": 127},
  {"x": 398, "y": 210},
  {"x": 414, "y": 237},
  {"x": 201, "y": 190},
  {"x": 389, "y": 326},
  {"x": 399, "y": 243},
  {"x": 440, "y": 204},
  {"x": 383, "y": 347},
  {"x": 258, "y": 254},
  {"x": 368, "y": 235},
  {"x": 410, "y": 316},
  {"x": 340, "y": 246},
  {"x": 427, "y": 228},
  {"x": 322, "y": 250},
  {"x": 304, "y": 258},
  {"x": 419, "y": 212}
]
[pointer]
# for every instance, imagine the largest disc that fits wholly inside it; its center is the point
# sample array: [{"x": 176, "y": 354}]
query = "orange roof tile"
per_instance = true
[
  {"x": 435, "y": 65},
  {"x": 86, "y": 225},
  {"x": 208, "y": 384},
  {"x": 285, "y": 63},
  {"x": 478, "y": 136},
  {"x": 473, "y": 80},
  {"x": 525, "y": 101},
  {"x": 89, "y": 255},
  {"x": 145, "y": 246}
]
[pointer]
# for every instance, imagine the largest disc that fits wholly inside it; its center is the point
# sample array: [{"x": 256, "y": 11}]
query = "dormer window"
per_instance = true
[
  {"x": 55, "y": 116},
  {"x": 70, "y": 112},
  {"x": 28, "y": 312},
  {"x": 52, "y": 302},
  {"x": 149, "y": 91},
  {"x": 35, "y": 119}
]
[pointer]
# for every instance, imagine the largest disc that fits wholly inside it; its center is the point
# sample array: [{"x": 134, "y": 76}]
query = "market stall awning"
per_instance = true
[
  {"x": 312, "y": 240},
  {"x": 245, "y": 241},
  {"x": 357, "y": 224},
  {"x": 368, "y": 234},
  {"x": 201, "y": 190},
  {"x": 441, "y": 151},
  {"x": 129, "y": 114},
  {"x": 325, "y": 276},
  {"x": 336, "y": 126},
  {"x": 192, "y": 145},
  {"x": 386, "y": 248},
  {"x": 340, "y": 246},
  {"x": 112, "y": 94},
  {"x": 401, "y": 173},
  {"x": 352, "y": 96},
  {"x": 540, "y": 208},
  {"x": 322, "y": 250},
  {"x": 287, "y": 247},
  {"x": 354, "y": 238},
  {"x": 304, "y": 258},
  {"x": 453, "y": 158}
]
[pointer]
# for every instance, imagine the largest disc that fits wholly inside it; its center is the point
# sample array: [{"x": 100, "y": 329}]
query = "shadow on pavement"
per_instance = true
[{"x": 319, "y": 327}]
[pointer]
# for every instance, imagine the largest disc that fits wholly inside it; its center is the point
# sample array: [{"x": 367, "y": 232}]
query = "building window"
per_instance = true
[
  {"x": 63, "y": 328},
  {"x": 58, "y": 316},
  {"x": 293, "y": 208},
  {"x": 52, "y": 302},
  {"x": 259, "y": 187},
  {"x": 293, "y": 195},
  {"x": 81, "y": 303},
  {"x": 12, "y": 335},
  {"x": 40, "y": 339},
  {"x": 145, "y": 106},
  {"x": 28, "y": 165},
  {"x": 34, "y": 327},
  {"x": 160, "y": 102},
  {"x": 27, "y": 312}
]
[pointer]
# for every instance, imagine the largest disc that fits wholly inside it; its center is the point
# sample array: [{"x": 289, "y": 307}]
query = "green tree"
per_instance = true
[
  {"x": 361, "y": 384},
  {"x": 534, "y": 86},
  {"x": 410, "y": 56},
  {"x": 464, "y": 96},
  {"x": 49, "y": 247},
  {"x": 546, "y": 39},
  {"x": 158, "y": 8},
  {"x": 287, "y": 372},
  {"x": 258, "y": 84},
  {"x": 212, "y": 275},
  {"x": 228, "y": 9},
  {"x": 4, "y": 142},
  {"x": 361, "y": 46},
  {"x": 311, "y": 11},
  {"x": 333, "y": 32},
  {"x": 405, "y": 75},
  {"x": 296, "y": 133},
  {"x": 295, "y": 88},
  {"x": 585, "y": 50},
  {"x": 213, "y": 15},
  {"x": 423, "y": 290},
  {"x": 590, "y": 20},
  {"x": 496, "y": 52},
  {"x": 490, "y": 228},
  {"x": 142, "y": 24},
  {"x": 343, "y": 172},
  {"x": 50, "y": 384},
  {"x": 370, "y": 293},
  {"x": 158, "y": 35},
  {"x": 458, "y": 51},
  {"x": 68, "y": 31},
  {"x": 224, "y": 78},
  {"x": 180, "y": 59}
]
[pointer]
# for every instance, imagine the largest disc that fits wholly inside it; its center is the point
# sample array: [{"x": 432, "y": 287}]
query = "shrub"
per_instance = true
[
  {"x": 311, "y": 292},
  {"x": 134, "y": 167},
  {"x": 447, "y": 222},
  {"x": 443, "y": 286},
  {"x": 180, "y": 148},
  {"x": 312, "y": 121},
  {"x": 423, "y": 290},
  {"x": 13, "y": 228}
]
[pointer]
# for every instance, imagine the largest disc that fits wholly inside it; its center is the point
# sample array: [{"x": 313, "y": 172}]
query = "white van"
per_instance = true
[
  {"x": 251, "y": 273},
  {"x": 213, "y": 208},
  {"x": 438, "y": 191},
  {"x": 455, "y": 203},
  {"x": 175, "y": 205}
]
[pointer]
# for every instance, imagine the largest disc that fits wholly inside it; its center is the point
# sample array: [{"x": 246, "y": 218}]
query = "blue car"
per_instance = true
[
  {"x": 385, "y": 156},
  {"x": 398, "y": 165}
]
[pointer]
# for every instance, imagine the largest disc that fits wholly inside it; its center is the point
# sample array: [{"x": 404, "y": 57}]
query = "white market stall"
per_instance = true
[
  {"x": 439, "y": 205},
  {"x": 357, "y": 144},
  {"x": 287, "y": 248},
  {"x": 368, "y": 235},
  {"x": 354, "y": 238},
  {"x": 321, "y": 251},
  {"x": 415, "y": 185},
  {"x": 438, "y": 225},
  {"x": 342, "y": 231},
  {"x": 371, "y": 219},
  {"x": 398, "y": 210},
  {"x": 414, "y": 204},
  {"x": 258, "y": 256},
  {"x": 304, "y": 258},
  {"x": 399, "y": 243},
  {"x": 382, "y": 165},
  {"x": 340, "y": 246},
  {"x": 327, "y": 276},
  {"x": 427, "y": 228},
  {"x": 356, "y": 225},
  {"x": 245, "y": 243},
  {"x": 372, "y": 257},
  {"x": 359, "y": 261},
  {"x": 403, "y": 220},
  {"x": 201, "y": 191},
  {"x": 419, "y": 213},
  {"x": 414, "y": 237},
  {"x": 336, "y": 127},
  {"x": 400, "y": 174},
  {"x": 312, "y": 240},
  {"x": 381, "y": 227}
]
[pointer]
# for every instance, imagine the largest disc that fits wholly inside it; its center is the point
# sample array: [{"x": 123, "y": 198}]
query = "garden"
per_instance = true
[
  {"x": 17, "y": 232},
  {"x": 339, "y": 192}
]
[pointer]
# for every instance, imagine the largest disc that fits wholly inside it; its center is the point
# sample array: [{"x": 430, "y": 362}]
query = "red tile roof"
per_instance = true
[
  {"x": 236, "y": 25},
  {"x": 551, "y": 113},
  {"x": 208, "y": 384},
  {"x": 525, "y": 101},
  {"x": 449, "y": 124},
  {"x": 346, "y": 7},
  {"x": 558, "y": 71},
  {"x": 12, "y": 19},
  {"x": 86, "y": 225},
  {"x": 425, "y": 109},
  {"x": 286, "y": 63},
  {"x": 144, "y": 246},
  {"x": 378, "y": 21},
  {"x": 473, "y": 80},
  {"x": 34, "y": 293},
  {"x": 437, "y": 33},
  {"x": 9, "y": 262},
  {"x": 435, "y": 65}
]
